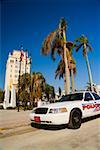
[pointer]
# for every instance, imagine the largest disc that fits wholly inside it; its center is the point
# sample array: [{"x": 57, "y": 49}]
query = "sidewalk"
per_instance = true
[
  {"x": 13, "y": 122},
  {"x": 12, "y": 119}
]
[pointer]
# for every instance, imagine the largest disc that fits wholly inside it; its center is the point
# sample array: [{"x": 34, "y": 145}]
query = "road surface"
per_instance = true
[
  {"x": 12, "y": 118},
  {"x": 85, "y": 138}
]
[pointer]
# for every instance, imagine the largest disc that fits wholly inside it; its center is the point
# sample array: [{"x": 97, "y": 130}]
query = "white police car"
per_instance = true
[{"x": 70, "y": 110}]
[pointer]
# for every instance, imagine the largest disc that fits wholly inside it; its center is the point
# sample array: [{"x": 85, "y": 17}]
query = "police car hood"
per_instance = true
[{"x": 60, "y": 104}]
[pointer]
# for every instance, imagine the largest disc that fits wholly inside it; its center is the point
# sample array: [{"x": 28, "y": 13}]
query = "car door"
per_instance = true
[
  {"x": 97, "y": 103},
  {"x": 88, "y": 104}
]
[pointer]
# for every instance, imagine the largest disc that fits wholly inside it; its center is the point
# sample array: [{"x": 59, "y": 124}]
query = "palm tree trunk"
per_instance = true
[
  {"x": 65, "y": 85},
  {"x": 72, "y": 81},
  {"x": 67, "y": 77},
  {"x": 89, "y": 72}
]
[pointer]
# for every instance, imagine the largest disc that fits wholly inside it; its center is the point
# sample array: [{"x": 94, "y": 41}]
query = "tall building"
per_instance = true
[
  {"x": 13, "y": 66},
  {"x": 17, "y": 60}
]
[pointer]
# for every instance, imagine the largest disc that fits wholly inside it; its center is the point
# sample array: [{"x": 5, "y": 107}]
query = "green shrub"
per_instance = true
[
  {"x": 11, "y": 108},
  {"x": 1, "y": 107}
]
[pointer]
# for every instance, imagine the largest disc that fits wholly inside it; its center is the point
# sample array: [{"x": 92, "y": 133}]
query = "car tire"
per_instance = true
[{"x": 75, "y": 119}]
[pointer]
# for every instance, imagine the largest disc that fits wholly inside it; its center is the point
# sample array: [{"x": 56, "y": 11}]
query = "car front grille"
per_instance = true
[{"x": 41, "y": 110}]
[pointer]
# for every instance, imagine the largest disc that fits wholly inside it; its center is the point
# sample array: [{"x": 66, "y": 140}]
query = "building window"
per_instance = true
[
  {"x": 16, "y": 71},
  {"x": 11, "y": 61},
  {"x": 16, "y": 76},
  {"x": 16, "y": 81},
  {"x": 11, "y": 66},
  {"x": 11, "y": 76},
  {"x": 16, "y": 60},
  {"x": 22, "y": 72},
  {"x": 16, "y": 66}
]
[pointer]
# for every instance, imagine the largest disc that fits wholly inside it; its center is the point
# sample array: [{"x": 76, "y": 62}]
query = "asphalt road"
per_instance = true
[{"x": 85, "y": 138}]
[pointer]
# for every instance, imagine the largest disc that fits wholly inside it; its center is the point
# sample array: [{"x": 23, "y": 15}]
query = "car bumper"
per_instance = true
[{"x": 53, "y": 119}]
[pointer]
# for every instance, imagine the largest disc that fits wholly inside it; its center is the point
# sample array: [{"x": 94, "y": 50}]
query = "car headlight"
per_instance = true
[
  {"x": 57, "y": 110},
  {"x": 33, "y": 111}
]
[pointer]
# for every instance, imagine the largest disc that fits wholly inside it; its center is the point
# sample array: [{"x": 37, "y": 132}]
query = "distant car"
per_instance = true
[{"x": 70, "y": 110}]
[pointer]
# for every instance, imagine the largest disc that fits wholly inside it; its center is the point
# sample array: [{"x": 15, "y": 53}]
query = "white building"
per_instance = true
[
  {"x": 12, "y": 72},
  {"x": 98, "y": 89}
]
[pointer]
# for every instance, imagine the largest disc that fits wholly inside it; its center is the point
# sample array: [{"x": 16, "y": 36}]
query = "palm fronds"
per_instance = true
[
  {"x": 57, "y": 46},
  {"x": 71, "y": 62},
  {"x": 62, "y": 24},
  {"x": 82, "y": 39},
  {"x": 70, "y": 45},
  {"x": 46, "y": 46},
  {"x": 78, "y": 47},
  {"x": 72, "y": 66},
  {"x": 89, "y": 46},
  {"x": 53, "y": 43},
  {"x": 83, "y": 42},
  {"x": 60, "y": 69}
]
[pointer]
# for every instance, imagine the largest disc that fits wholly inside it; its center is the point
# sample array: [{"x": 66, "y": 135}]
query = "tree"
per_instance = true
[
  {"x": 56, "y": 42},
  {"x": 72, "y": 67},
  {"x": 84, "y": 43},
  {"x": 59, "y": 89},
  {"x": 60, "y": 71},
  {"x": 1, "y": 95},
  {"x": 25, "y": 82},
  {"x": 37, "y": 83},
  {"x": 50, "y": 92},
  {"x": 37, "y": 86},
  {"x": 88, "y": 87},
  {"x": 24, "y": 94}
]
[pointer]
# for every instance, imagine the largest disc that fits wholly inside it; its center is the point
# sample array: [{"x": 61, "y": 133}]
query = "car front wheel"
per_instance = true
[{"x": 75, "y": 119}]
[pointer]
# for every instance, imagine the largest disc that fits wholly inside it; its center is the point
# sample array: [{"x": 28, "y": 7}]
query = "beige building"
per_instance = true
[
  {"x": 13, "y": 66},
  {"x": 17, "y": 60}
]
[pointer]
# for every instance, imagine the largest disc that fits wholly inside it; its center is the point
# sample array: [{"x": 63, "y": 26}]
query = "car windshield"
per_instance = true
[{"x": 72, "y": 97}]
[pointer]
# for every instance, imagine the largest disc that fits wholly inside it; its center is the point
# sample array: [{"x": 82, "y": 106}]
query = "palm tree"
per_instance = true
[
  {"x": 56, "y": 42},
  {"x": 38, "y": 85},
  {"x": 60, "y": 71},
  {"x": 72, "y": 67},
  {"x": 88, "y": 87},
  {"x": 59, "y": 89},
  {"x": 50, "y": 92},
  {"x": 84, "y": 43},
  {"x": 25, "y": 81},
  {"x": 1, "y": 95}
]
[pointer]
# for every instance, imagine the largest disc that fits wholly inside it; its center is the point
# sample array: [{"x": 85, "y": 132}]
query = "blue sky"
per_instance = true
[{"x": 28, "y": 22}]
